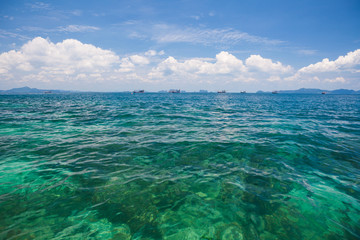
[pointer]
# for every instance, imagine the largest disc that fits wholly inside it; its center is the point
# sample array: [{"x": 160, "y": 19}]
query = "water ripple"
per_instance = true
[{"x": 179, "y": 166}]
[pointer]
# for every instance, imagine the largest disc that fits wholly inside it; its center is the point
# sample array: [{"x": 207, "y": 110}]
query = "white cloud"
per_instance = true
[
  {"x": 244, "y": 79},
  {"x": 69, "y": 28},
  {"x": 40, "y": 6},
  {"x": 323, "y": 72},
  {"x": 266, "y": 65},
  {"x": 152, "y": 53},
  {"x": 7, "y": 34},
  {"x": 78, "y": 28},
  {"x": 76, "y": 13},
  {"x": 13, "y": 59},
  {"x": 71, "y": 64},
  {"x": 41, "y": 59},
  {"x": 335, "y": 80},
  {"x": 316, "y": 79},
  {"x": 126, "y": 65},
  {"x": 164, "y": 33},
  {"x": 274, "y": 79},
  {"x": 341, "y": 63},
  {"x": 324, "y": 66},
  {"x": 225, "y": 63},
  {"x": 141, "y": 60}
]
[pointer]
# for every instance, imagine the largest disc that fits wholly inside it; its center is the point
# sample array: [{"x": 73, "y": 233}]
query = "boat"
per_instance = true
[
  {"x": 174, "y": 91},
  {"x": 323, "y": 93},
  {"x": 138, "y": 91},
  {"x": 243, "y": 92},
  {"x": 222, "y": 91},
  {"x": 274, "y": 92}
]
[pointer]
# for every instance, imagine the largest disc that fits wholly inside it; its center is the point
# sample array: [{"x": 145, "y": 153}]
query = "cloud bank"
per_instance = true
[{"x": 71, "y": 64}]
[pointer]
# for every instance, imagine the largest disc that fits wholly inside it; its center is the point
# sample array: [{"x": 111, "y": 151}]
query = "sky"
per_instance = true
[{"x": 190, "y": 45}]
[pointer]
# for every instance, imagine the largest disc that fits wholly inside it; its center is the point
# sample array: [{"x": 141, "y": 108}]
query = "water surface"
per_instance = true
[{"x": 179, "y": 166}]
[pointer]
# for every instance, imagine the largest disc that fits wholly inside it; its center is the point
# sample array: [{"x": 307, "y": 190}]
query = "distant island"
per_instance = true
[
  {"x": 28, "y": 90},
  {"x": 316, "y": 91}
]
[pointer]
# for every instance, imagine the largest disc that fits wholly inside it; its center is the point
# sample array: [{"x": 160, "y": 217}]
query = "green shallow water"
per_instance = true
[{"x": 179, "y": 166}]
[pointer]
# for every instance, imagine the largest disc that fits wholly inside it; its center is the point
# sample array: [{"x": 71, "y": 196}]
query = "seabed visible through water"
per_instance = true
[{"x": 179, "y": 166}]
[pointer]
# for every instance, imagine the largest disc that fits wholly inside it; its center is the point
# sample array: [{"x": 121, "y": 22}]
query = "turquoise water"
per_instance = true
[{"x": 179, "y": 166}]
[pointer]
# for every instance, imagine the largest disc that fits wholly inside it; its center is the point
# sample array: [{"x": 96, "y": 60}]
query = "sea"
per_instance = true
[{"x": 177, "y": 166}]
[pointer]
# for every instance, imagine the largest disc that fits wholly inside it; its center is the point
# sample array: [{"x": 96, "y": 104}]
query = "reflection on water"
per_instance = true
[{"x": 184, "y": 166}]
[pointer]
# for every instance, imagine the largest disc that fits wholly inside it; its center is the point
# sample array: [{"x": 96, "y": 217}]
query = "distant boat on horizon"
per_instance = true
[
  {"x": 323, "y": 93},
  {"x": 243, "y": 92},
  {"x": 222, "y": 91},
  {"x": 274, "y": 92},
  {"x": 138, "y": 91},
  {"x": 174, "y": 91}
]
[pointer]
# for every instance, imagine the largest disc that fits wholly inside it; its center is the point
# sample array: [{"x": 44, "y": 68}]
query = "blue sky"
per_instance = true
[{"x": 191, "y": 45}]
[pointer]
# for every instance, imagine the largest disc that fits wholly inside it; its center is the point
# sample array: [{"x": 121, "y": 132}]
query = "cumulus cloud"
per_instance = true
[
  {"x": 323, "y": 72},
  {"x": 266, "y": 65},
  {"x": 141, "y": 60},
  {"x": 126, "y": 65},
  {"x": 225, "y": 63},
  {"x": 341, "y": 63},
  {"x": 72, "y": 62},
  {"x": 40, "y": 58}
]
